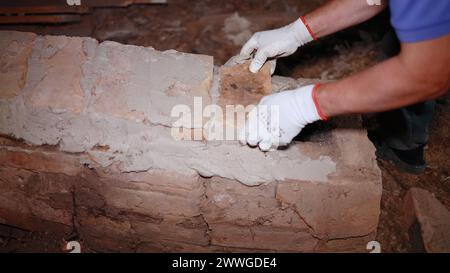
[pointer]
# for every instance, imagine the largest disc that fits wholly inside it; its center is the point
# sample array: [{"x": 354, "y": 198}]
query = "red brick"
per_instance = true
[
  {"x": 251, "y": 217},
  {"x": 16, "y": 49},
  {"x": 40, "y": 161},
  {"x": 143, "y": 84},
  {"x": 36, "y": 201},
  {"x": 433, "y": 218},
  {"x": 262, "y": 237},
  {"x": 238, "y": 80},
  {"x": 334, "y": 211},
  {"x": 60, "y": 88}
]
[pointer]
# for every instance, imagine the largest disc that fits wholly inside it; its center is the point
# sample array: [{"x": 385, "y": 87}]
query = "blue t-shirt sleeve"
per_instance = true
[{"x": 420, "y": 20}]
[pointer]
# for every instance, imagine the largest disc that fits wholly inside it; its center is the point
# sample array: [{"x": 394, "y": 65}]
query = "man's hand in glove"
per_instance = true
[{"x": 280, "y": 117}]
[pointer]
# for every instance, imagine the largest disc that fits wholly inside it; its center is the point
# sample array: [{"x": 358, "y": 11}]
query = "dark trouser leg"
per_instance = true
[{"x": 406, "y": 128}]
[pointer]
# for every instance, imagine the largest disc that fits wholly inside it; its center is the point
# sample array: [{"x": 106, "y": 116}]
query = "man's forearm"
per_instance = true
[
  {"x": 419, "y": 73},
  {"x": 340, "y": 14},
  {"x": 378, "y": 89}
]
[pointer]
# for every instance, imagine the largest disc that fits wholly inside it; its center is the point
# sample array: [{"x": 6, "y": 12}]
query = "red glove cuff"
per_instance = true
[
  {"x": 309, "y": 28},
  {"x": 316, "y": 103}
]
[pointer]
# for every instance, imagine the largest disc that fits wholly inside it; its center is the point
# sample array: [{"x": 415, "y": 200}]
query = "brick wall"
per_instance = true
[{"x": 86, "y": 147}]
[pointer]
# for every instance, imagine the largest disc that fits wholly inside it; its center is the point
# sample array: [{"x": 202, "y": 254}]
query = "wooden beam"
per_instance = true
[
  {"x": 120, "y": 3},
  {"x": 44, "y": 9},
  {"x": 23, "y": 7},
  {"x": 56, "y": 11},
  {"x": 61, "y": 6},
  {"x": 40, "y": 19}
]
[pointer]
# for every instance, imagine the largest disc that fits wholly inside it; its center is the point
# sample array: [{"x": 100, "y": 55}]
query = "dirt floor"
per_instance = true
[{"x": 219, "y": 28}]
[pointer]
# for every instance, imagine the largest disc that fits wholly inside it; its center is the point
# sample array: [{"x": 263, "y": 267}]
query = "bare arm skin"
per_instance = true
[
  {"x": 420, "y": 72},
  {"x": 337, "y": 15}
]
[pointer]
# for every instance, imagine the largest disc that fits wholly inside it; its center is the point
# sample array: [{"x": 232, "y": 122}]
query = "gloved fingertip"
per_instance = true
[
  {"x": 265, "y": 146},
  {"x": 255, "y": 67},
  {"x": 242, "y": 137},
  {"x": 252, "y": 142},
  {"x": 248, "y": 48},
  {"x": 273, "y": 66}
]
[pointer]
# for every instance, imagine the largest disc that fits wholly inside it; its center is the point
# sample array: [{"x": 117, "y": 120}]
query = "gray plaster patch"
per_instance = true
[{"x": 141, "y": 76}]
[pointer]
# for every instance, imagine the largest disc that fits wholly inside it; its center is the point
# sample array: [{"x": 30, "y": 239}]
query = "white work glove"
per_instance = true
[
  {"x": 280, "y": 117},
  {"x": 276, "y": 43}
]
